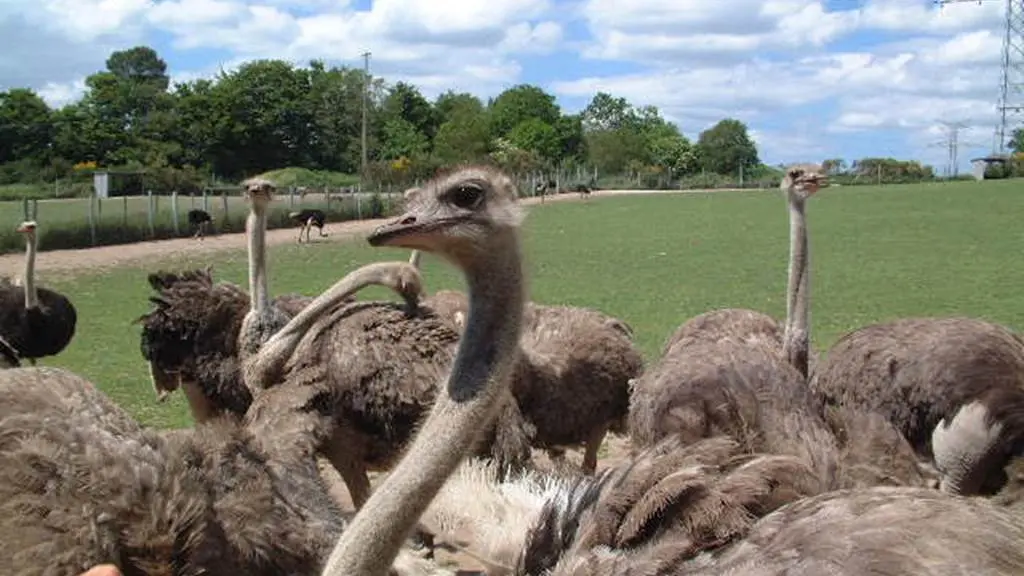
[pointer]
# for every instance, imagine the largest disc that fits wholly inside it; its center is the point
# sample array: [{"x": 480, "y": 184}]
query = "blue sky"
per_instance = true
[{"x": 813, "y": 80}]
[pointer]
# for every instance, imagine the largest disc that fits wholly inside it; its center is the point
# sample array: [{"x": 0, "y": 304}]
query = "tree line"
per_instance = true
[{"x": 270, "y": 114}]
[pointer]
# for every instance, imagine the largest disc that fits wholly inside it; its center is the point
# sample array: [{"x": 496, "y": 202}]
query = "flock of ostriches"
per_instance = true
[{"x": 894, "y": 454}]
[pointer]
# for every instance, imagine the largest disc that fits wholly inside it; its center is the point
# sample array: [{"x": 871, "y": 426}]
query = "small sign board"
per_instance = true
[{"x": 100, "y": 183}]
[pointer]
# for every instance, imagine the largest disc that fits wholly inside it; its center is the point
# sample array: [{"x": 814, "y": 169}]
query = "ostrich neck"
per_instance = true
[
  {"x": 279, "y": 347},
  {"x": 478, "y": 375},
  {"x": 415, "y": 257},
  {"x": 29, "y": 281},
  {"x": 796, "y": 338},
  {"x": 256, "y": 224}
]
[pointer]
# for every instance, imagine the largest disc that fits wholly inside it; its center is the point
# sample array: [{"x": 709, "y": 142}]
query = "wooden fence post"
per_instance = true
[
  {"x": 149, "y": 212},
  {"x": 92, "y": 218},
  {"x": 174, "y": 210}
]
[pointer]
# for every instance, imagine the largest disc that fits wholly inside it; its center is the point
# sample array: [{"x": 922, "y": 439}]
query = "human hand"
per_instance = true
[{"x": 102, "y": 570}]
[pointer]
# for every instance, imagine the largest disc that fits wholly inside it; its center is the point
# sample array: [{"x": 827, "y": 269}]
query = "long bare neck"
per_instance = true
[
  {"x": 415, "y": 258},
  {"x": 279, "y": 347},
  {"x": 29, "y": 281},
  {"x": 483, "y": 360},
  {"x": 796, "y": 340},
  {"x": 259, "y": 292}
]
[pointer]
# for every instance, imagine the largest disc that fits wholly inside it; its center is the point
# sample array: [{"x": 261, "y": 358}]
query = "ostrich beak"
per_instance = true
[{"x": 410, "y": 231}]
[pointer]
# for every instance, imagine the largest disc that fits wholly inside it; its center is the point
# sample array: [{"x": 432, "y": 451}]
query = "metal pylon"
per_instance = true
[
  {"x": 1011, "y": 81},
  {"x": 1011, "y": 86}
]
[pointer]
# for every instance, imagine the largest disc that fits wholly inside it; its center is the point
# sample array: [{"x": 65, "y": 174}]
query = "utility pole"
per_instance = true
[
  {"x": 366, "y": 96},
  {"x": 1011, "y": 82},
  {"x": 952, "y": 145}
]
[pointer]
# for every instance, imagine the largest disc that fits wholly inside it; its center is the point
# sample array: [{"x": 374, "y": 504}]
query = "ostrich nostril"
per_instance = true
[{"x": 408, "y": 220}]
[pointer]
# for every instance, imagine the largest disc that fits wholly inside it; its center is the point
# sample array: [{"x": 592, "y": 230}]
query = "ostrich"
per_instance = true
[
  {"x": 83, "y": 484},
  {"x": 469, "y": 216},
  {"x": 731, "y": 372},
  {"x": 724, "y": 371},
  {"x": 263, "y": 318},
  {"x": 708, "y": 509},
  {"x": 190, "y": 337},
  {"x": 954, "y": 387},
  {"x": 36, "y": 322},
  {"x": 199, "y": 220},
  {"x": 571, "y": 381},
  {"x": 308, "y": 218}
]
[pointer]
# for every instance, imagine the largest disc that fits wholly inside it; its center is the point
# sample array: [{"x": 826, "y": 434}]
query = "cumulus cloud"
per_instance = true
[{"x": 802, "y": 73}]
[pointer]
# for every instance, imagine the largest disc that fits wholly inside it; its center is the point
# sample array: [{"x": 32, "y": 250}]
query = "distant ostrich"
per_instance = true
[
  {"x": 571, "y": 381},
  {"x": 199, "y": 220},
  {"x": 954, "y": 387},
  {"x": 36, "y": 322},
  {"x": 309, "y": 217},
  {"x": 83, "y": 484}
]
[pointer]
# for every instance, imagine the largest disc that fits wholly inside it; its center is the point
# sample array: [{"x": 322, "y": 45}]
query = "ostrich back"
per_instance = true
[
  {"x": 378, "y": 366},
  {"x": 37, "y": 332},
  {"x": 917, "y": 371},
  {"x": 667, "y": 504},
  {"x": 746, "y": 391},
  {"x": 885, "y": 531},
  {"x": 573, "y": 374},
  {"x": 81, "y": 483},
  {"x": 736, "y": 323}
]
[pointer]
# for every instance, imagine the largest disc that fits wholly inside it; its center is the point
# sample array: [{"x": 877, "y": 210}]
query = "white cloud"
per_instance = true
[{"x": 772, "y": 63}]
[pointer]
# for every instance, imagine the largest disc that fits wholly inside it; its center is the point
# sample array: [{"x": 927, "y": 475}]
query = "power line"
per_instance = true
[{"x": 1011, "y": 84}]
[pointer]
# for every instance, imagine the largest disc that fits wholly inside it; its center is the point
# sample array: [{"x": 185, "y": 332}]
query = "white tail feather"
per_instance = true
[{"x": 490, "y": 519}]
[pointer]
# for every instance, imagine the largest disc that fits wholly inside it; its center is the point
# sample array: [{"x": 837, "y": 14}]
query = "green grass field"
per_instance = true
[{"x": 654, "y": 261}]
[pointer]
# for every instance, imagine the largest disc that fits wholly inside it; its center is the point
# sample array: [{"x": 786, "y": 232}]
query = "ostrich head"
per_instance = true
[
  {"x": 28, "y": 228},
  {"x": 803, "y": 180},
  {"x": 259, "y": 191},
  {"x": 458, "y": 218}
]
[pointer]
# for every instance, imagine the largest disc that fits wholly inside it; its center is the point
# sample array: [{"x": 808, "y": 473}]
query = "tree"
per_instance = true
[
  {"x": 404, "y": 101},
  {"x": 606, "y": 112},
  {"x": 26, "y": 126},
  {"x": 726, "y": 147},
  {"x": 518, "y": 104},
  {"x": 1016, "y": 142},
  {"x": 465, "y": 136}
]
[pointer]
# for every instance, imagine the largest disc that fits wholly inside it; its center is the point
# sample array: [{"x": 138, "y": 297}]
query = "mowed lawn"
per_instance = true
[{"x": 654, "y": 261}]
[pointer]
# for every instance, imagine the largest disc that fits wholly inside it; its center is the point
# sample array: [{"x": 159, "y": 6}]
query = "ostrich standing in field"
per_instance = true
[
  {"x": 199, "y": 220},
  {"x": 83, "y": 484},
  {"x": 571, "y": 381},
  {"x": 307, "y": 218},
  {"x": 36, "y": 322},
  {"x": 954, "y": 387}
]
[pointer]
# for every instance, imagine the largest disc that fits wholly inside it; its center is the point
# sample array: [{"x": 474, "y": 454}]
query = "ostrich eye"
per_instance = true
[
  {"x": 467, "y": 196},
  {"x": 796, "y": 173}
]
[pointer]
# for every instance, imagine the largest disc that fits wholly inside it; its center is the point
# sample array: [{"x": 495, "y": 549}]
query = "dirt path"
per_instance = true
[{"x": 112, "y": 256}]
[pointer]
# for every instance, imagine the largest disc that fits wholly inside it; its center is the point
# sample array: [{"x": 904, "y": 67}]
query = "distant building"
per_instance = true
[{"x": 979, "y": 165}]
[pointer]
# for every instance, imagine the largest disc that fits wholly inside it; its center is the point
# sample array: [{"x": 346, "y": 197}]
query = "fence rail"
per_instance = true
[{"x": 92, "y": 221}]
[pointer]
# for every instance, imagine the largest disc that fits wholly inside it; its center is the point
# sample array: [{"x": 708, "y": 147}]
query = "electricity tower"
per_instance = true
[
  {"x": 1011, "y": 85},
  {"x": 952, "y": 143}
]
